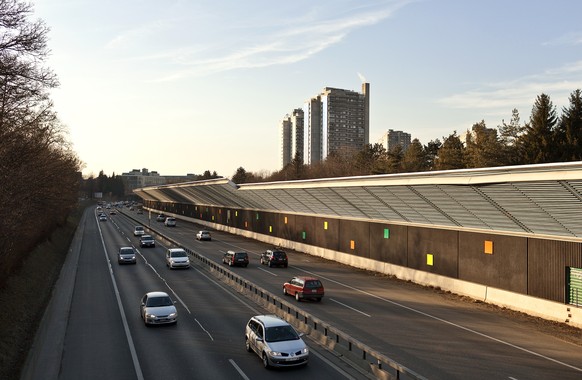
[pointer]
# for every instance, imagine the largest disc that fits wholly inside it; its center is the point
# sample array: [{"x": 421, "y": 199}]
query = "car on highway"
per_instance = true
[
  {"x": 274, "y": 257},
  {"x": 161, "y": 218},
  {"x": 157, "y": 308},
  {"x": 102, "y": 217},
  {"x": 138, "y": 231},
  {"x": 112, "y": 212},
  {"x": 177, "y": 258},
  {"x": 139, "y": 211},
  {"x": 203, "y": 235},
  {"x": 233, "y": 258},
  {"x": 170, "y": 222},
  {"x": 275, "y": 341},
  {"x": 304, "y": 287},
  {"x": 126, "y": 255},
  {"x": 147, "y": 241}
]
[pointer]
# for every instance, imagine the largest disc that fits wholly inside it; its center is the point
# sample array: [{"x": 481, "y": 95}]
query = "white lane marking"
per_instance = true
[
  {"x": 268, "y": 271},
  {"x": 349, "y": 307},
  {"x": 228, "y": 292},
  {"x": 177, "y": 296},
  {"x": 134, "y": 357},
  {"x": 447, "y": 322},
  {"x": 512, "y": 378},
  {"x": 240, "y": 371}
]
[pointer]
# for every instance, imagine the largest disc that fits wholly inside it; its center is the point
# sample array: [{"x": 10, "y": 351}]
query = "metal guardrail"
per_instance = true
[{"x": 370, "y": 360}]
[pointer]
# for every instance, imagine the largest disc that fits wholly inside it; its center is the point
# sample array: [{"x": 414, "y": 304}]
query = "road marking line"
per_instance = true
[
  {"x": 240, "y": 371},
  {"x": 447, "y": 322},
  {"x": 349, "y": 307},
  {"x": 134, "y": 357}
]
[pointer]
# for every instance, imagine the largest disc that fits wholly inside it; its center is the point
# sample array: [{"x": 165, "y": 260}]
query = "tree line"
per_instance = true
[
  {"x": 545, "y": 137},
  {"x": 39, "y": 172}
]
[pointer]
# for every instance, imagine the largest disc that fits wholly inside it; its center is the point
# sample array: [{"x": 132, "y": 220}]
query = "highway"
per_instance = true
[{"x": 438, "y": 337}]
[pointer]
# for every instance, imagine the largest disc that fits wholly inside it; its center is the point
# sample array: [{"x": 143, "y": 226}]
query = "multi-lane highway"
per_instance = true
[{"x": 438, "y": 337}]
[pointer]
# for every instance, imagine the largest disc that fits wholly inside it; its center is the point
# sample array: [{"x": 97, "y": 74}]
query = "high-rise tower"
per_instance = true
[
  {"x": 337, "y": 121},
  {"x": 292, "y": 130}
]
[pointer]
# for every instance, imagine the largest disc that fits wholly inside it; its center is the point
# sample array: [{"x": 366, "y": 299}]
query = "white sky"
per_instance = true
[{"x": 184, "y": 86}]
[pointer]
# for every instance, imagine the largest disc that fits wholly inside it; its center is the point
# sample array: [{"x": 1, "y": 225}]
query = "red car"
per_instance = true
[{"x": 303, "y": 287}]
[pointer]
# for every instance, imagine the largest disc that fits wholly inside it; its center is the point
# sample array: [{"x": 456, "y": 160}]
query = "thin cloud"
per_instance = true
[
  {"x": 558, "y": 82},
  {"x": 569, "y": 39},
  {"x": 291, "y": 45}
]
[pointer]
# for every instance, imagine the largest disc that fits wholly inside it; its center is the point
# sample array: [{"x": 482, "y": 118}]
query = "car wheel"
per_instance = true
[
  {"x": 248, "y": 344},
  {"x": 318, "y": 299},
  {"x": 285, "y": 291},
  {"x": 270, "y": 264},
  {"x": 297, "y": 298},
  {"x": 266, "y": 361}
]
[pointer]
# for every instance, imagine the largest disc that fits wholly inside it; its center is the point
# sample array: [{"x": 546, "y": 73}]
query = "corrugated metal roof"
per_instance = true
[{"x": 533, "y": 199}]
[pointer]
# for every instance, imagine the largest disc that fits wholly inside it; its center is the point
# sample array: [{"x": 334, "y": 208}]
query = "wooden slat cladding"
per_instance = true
[{"x": 547, "y": 262}]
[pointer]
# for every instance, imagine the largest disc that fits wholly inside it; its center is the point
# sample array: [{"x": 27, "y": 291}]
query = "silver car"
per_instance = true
[
  {"x": 177, "y": 258},
  {"x": 275, "y": 341},
  {"x": 158, "y": 308},
  {"x": 203, "y": 235},
  {"x": 126, "y": 255}
]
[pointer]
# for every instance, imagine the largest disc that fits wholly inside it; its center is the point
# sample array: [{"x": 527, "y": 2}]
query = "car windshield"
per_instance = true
[
  {"x": 313, "y": 284},
  {"x": 159, "y": 301},
  {"x": 179, "y": 254},
  {"x": 240, "y": 255},
  {"x": 146, "y": 237},
  {"x": 127, "y": 251},
  {"x": 280, "y": 334},
  {"x": 139, "y": 228}
]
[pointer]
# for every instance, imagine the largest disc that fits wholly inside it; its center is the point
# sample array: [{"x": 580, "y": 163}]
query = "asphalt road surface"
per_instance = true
[{"x": 437, "y": 336}]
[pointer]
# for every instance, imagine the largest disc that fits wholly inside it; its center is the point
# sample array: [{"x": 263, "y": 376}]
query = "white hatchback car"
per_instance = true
[
  {"x": 177, "y": 258},
  {"x": 138, "y": 231},
  {"x": 275, "y": 341},
  {"x": 170, "y": 222}
]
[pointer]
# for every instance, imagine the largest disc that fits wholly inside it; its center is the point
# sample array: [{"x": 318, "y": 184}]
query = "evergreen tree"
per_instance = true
[
  {"x": 415, "y": 158},
  {"x": 538, "y": 141},
  {"x": 483, "y": 147},
  {"x": 431, "y": 150},
  {"x": 510, "y": 135},
  {"x": 569, "y": 132},
  {"x": 240, "y": 176},
  {"x": 451, "y": 155},
  {"x": 394, "y": 160}
]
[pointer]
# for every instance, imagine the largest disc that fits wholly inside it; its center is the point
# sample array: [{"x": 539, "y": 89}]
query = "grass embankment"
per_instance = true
[{"x": 27, "y": 294}]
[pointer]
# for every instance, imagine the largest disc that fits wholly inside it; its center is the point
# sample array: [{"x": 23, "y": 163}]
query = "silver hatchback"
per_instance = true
[
  {"x": 177, "y": 258},
  {"x": 275, "y": 341},
  {"x": 126, "y": 255},
  {"x": 157, "y": 308}
]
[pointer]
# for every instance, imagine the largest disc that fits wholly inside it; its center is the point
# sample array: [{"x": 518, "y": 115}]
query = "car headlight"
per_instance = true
[
  {"x": 274, "y": 353},
  {"x": 150, "y": 316},
  {"x": 173, "y": 315},
  {"x": 305, "y": 350}
]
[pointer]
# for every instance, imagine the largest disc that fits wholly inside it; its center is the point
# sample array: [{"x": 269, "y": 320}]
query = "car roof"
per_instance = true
[
  {"x": 146, "y": 236},
  {"x": 271, "y": 320},
  {"x": 307, "y": 278},
  {"x": 157, "y": 294},
  {"x": 176, "y": 250},
  {"x": 127, "y": 248}
]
